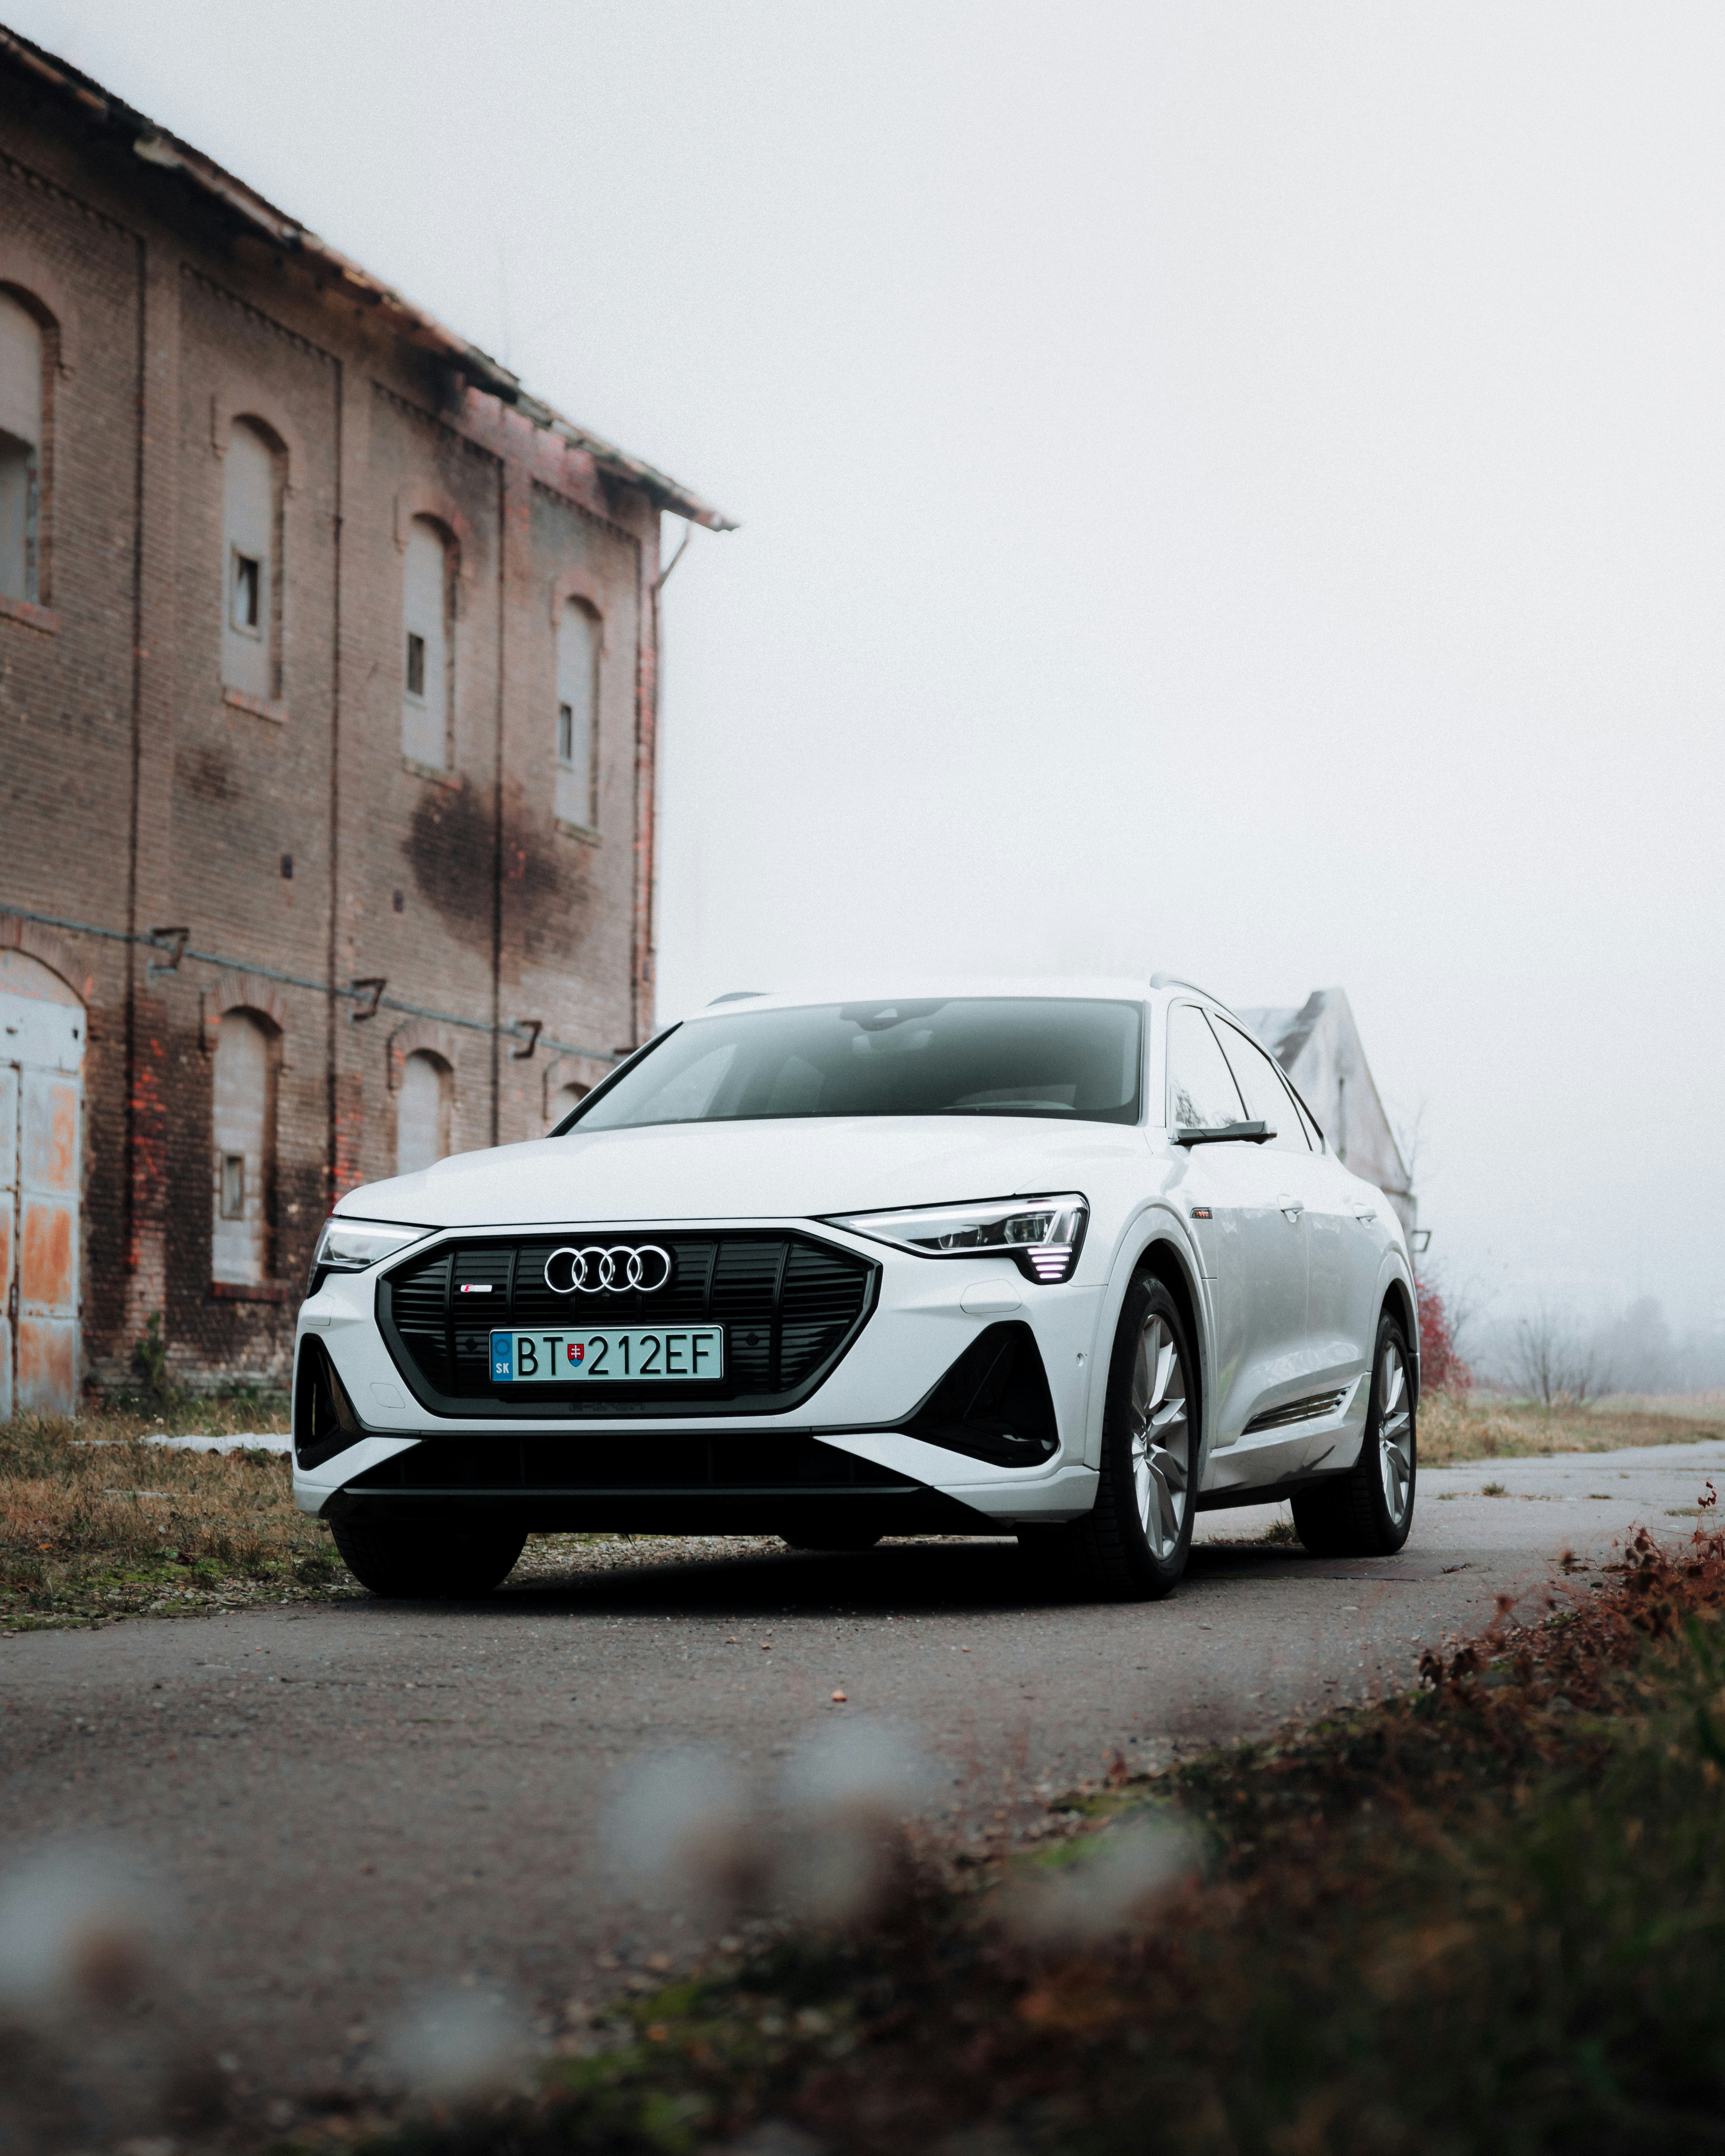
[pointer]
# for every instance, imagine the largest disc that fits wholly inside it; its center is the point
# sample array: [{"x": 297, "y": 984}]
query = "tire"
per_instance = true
[
  {"x": 1367, "y": 1511},
  {"x": 1133, "y": 1544},
  {"x": 435, "y": 1560}
]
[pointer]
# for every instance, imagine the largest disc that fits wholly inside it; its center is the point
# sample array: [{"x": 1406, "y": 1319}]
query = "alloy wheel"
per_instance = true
[
  {"x": 1395, "y": 1431},
  {"x": 1161, "y": 1438}
]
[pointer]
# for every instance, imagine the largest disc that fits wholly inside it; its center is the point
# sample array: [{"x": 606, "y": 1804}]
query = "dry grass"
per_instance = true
[
  {"x": 96, "y": 1522},
  {"x": 1474, "y": 1426}
]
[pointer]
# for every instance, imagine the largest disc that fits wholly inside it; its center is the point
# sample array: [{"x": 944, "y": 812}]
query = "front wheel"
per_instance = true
[
  {"x": 432, "y": 1559},
  {"x": 1133, "y": 1544},
  {"x": 1367, "y": 1511}
]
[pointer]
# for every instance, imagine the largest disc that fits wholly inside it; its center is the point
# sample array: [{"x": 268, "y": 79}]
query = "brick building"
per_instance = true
[{"x": 327, "y": 746}]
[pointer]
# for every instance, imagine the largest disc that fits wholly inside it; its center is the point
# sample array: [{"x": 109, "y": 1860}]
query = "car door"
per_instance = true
[
  {"x": 1305, "y": 1191},
  {"x": 1253, "y": 1248},
  {"x": 1357, "y": 1223},
  {"x": 1337, "y": 1220}
]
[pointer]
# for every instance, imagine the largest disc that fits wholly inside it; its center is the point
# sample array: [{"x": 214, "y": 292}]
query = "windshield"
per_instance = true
[{"x": 1048, "y": 1056}]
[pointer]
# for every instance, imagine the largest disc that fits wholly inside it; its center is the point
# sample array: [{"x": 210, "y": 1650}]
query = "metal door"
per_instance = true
[
  {"x": 41, "y": 1149},
  {"x": 9, "y": 1231}
]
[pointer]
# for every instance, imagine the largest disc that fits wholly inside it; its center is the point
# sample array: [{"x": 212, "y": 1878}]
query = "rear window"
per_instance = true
[{"x": 1051, "y": 1057}]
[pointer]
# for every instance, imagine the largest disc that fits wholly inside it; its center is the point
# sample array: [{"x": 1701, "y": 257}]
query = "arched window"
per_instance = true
[
  {"x": 577, "y": 735},
  {"x": 421, "y": 1111},
  {"x": 245, "y": 1131},
  {"x": 568, "y": 1098},
  {"x": 427, "y": 644},
  {"x": 251, "y": 523},
  {"x": 20, "y": 450}
]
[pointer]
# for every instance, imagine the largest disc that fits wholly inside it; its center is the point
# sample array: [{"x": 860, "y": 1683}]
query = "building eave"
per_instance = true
[{"x": 156, "y": 145}]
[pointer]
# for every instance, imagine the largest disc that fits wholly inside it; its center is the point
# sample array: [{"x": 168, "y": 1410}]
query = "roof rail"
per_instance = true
[
  {"x": 739, "y": 996},
  {"x": 1178, "y": 981}
]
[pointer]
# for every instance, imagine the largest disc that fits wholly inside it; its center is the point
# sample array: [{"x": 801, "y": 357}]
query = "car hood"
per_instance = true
[{"x": 748, "y": 1170}]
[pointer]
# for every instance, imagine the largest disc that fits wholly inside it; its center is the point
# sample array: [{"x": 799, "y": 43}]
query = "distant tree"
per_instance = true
[
  {"x": 1440, "y": 1367},
  {"x": 1552, "y": 1359},
  {"x": 1639, "y": 1348}
]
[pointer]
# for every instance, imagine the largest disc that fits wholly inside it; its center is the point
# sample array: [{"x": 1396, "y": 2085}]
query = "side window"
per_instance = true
[
  {"x": 244, "y": 1145},
  {"x": 422, "y": 1111},
  {"x": 1267, "y": 1098},
  {"x": 21, "y": 376},
  {"x": 1201, "y": 1092},
  {"x": 427, "y": 644},
  {"x": 577, "y": 733},
  {"x": 251, "y": 534},
  {"x": 1308, "y": 1123}
]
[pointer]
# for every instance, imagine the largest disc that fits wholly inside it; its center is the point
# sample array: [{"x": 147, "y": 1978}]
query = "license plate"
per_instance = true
[{"x": 639, "y": 1354}]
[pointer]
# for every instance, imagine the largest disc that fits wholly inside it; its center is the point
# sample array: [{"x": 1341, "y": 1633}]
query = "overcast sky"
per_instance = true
[{"x": 1233, "y": 489}]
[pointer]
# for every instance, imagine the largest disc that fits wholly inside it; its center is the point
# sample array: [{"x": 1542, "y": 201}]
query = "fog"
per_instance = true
[
  {"x": 1552, "y": 1352},
  {"x": 1239, "y": 490}
]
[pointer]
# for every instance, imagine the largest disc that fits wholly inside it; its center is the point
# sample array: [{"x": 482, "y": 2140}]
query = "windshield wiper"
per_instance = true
[
  {"x": 1251, "y": 1133},
  {"x": 1008, "y": 1108}
]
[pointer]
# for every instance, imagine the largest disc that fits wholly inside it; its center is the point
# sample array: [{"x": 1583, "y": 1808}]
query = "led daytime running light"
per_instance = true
[
  {"x": 1042, "y": 1236},
  {"x": 350, "y": 1246}
]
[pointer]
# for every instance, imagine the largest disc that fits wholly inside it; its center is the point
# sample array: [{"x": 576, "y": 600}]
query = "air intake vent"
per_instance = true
[
  {"x": 994, "y": 1403},
  {"x": 790, "y": 1305}
]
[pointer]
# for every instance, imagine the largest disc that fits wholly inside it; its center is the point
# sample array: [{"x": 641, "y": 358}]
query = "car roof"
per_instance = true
[{"x": 1098, "y": 988}]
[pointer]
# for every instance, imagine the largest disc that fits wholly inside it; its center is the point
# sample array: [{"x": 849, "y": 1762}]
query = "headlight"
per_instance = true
[
  {"x": 1044, "y": 1234},
  {"x": 349, "y": 1246}
]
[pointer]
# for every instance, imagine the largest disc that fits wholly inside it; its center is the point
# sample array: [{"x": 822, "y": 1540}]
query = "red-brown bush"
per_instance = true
[{"x": 1439, "y": 1365}]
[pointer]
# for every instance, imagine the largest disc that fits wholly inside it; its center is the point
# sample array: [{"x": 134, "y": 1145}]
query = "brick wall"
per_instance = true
[{"x": 135, "y": 794}]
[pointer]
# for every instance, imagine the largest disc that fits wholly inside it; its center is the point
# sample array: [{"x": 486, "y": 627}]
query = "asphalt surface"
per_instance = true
[{"x": 340, "y": 1806}]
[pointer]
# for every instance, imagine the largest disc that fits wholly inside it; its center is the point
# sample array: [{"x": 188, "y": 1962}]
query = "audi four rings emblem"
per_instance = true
[{"x": 588, "y": 1271}]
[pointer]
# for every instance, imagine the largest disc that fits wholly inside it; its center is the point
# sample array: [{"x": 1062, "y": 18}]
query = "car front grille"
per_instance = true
[{"x": 790, "y": 1305}]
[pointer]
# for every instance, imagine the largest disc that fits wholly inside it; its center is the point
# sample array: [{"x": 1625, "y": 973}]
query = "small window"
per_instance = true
[
  {"x": 243, "y": 1116},
  {"x": 1202, "y": 1095},
  {"x": 569, "y": 1098},
  {"x": 21, "y": 378},
  {"x": 233, "y": 1186},
  {"x": 428, "y": 647},
  {"x": 247, "y": 611},
  {"x": 252, "y": 484},
  {"x": 577, "y": 734},
  {"x": 1267, "y": 1098}
]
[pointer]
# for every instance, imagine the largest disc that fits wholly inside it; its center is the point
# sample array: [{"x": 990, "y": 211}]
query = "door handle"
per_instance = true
[
  {"x": 1292, "y": 1206},
  {"x": 1364, "y": 1213}
]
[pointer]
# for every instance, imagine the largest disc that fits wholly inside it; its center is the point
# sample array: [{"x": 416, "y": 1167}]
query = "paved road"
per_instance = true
[{"x": 345, "y": 1803}]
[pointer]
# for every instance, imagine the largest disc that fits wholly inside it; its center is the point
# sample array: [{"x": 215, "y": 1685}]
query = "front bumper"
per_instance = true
[{"x": 849, "y": 1444}]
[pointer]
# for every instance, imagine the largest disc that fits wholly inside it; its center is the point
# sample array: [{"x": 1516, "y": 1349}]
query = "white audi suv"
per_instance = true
[{"x": 1069, "y": 1261}]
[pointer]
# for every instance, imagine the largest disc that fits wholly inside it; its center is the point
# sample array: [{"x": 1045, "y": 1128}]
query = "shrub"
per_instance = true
[
  {"x": 1440, "y": 1367},
  {"x": 150, "y": 1350}
]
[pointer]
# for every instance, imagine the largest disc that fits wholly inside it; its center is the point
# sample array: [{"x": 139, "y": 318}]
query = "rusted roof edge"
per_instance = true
[{"x": 156, "y": 145}]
